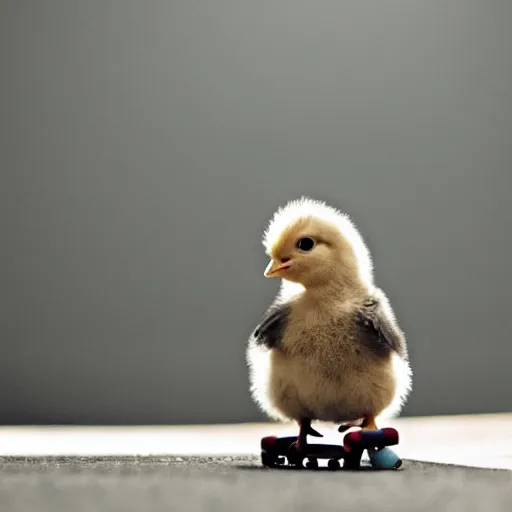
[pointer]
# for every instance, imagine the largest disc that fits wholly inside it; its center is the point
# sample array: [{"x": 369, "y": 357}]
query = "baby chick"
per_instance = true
[{"x": 329, "y": 347}]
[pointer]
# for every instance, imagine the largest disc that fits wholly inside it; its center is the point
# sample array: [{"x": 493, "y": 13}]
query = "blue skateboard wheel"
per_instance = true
[{"x": 385, "y": 458}]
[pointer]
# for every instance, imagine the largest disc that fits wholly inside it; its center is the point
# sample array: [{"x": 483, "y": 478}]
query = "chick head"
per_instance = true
[{"x": 314, "y": 244}]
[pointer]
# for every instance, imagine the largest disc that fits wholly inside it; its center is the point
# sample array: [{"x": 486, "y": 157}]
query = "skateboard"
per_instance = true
[{"x": 282, "y": 451}]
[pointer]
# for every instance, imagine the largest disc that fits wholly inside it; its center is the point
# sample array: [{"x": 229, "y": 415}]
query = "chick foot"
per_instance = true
[
  {"x": 346, "y": 426},
  {"x": 369, "y": 423},
  {"x": 305, "y": 429}
]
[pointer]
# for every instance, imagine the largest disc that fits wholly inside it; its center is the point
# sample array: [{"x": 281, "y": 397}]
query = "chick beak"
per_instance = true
[{"x": 274, "y": 267}]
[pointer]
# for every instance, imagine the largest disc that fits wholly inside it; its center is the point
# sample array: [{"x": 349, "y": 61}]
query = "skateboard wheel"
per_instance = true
[
  {"x": 384, "y": 459},
  {"x": 312, "y": 463},
  {"x": 296, "y": 462},
  {"x": 391, "y": 435},
  {"x": 269, "y": 460},
  {"x": 268, "y": 443},
  {"x": 352, "y": 439},
  {"x": 294, "y": 457},
  {"x": 352, "y": 463},
  {"x": 333, "y": 465}
]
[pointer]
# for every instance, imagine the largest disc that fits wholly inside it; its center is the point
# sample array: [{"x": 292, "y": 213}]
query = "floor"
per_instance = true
[
  {"x": 477, "y": 440},
  {"x": 218, "y": 468},
  {"x": 224, "y": 484}
]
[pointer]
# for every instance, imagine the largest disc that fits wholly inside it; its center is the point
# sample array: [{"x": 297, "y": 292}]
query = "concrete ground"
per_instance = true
[
  {"x": 223, "y": 484},
  {"x": 217, "y": 468}
]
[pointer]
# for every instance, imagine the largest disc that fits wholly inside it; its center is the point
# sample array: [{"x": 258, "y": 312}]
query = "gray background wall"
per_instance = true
[{"x": 145, "y": 144}]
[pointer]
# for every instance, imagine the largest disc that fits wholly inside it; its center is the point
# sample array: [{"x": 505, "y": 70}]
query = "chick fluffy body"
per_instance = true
[{"x": 329, "y": 348}]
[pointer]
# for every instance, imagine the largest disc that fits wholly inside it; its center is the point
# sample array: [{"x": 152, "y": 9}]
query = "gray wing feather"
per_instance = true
[
  {"x": 380, "y": 331},
  {"x": 270, "y": 330}
]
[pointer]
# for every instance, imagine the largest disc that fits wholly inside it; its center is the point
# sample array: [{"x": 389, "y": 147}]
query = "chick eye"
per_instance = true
[{"x": 305, "y": 244}]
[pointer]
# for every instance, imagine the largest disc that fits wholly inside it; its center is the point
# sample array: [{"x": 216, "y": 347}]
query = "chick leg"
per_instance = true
[
  {"x": 305, "y": 429},
  {"x": 346, "y": 426},
  {"x": 369, "y": 423}
]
